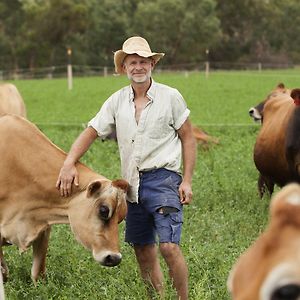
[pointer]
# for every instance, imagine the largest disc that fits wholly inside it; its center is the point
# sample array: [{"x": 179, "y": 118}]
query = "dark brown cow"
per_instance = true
[
  {"x": 270, "y": 268},
  {"x": 11, "y": 101},
  {"x": 277, "y": 147},
  {"x": 30, "y": 203}
]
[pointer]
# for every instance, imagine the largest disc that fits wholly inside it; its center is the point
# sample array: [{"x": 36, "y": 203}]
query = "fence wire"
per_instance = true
[{"x": 85, "y": 71}]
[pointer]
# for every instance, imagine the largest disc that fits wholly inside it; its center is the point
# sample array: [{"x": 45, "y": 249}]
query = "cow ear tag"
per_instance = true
[{"x": 93, "y": 188}]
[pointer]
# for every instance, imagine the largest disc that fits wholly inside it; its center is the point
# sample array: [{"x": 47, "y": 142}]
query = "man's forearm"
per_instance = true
[
  {"x": 189, "y": 158},
  {"x": 81, "y": 145}
]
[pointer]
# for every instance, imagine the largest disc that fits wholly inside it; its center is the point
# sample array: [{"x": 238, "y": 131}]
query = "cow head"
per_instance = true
[
  {"x": 94, "y": 217},
  {"x": 270, "y": 268},
  {"x": 256, "y": 112}
]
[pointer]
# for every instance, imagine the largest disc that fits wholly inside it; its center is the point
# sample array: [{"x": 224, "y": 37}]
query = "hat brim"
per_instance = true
[{"x": 120, "y": 55}]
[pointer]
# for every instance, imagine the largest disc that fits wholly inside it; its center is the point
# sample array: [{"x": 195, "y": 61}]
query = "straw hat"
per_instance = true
[{"x": 134, "y": 45}]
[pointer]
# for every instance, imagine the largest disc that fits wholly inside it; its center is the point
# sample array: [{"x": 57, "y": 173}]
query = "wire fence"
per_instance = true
[{"x": 85, "y": 71}]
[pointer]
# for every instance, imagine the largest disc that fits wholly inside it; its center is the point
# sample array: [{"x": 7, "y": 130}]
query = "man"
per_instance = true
[{"x": 153, "y": 129}]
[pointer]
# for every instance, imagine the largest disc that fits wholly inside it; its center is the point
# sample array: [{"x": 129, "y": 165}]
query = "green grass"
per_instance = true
[{"x": 225, "y": 217}]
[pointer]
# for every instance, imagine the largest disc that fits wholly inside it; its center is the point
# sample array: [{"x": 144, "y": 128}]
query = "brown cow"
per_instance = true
[
  {"x": 30, "y": 203},
  {"x": 270, "y": 268},
  {"x": 279, "y": 91},
  {"x": 277, "y": 147},
  {"x": 11, "y": 101}
]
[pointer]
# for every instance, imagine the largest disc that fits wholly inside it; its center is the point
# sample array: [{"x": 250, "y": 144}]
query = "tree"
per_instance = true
[
  {"x": 107, "y": 30},
  {"x": 183, "y": 29},
  {"x": 10, "y": 32}
]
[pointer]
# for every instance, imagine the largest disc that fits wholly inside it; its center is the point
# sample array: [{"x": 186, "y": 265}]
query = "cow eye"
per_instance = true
[{"x": 103, "y": 212}]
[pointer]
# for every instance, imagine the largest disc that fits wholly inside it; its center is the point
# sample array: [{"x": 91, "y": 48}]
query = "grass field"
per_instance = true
[{"x": 225, "y": 217}]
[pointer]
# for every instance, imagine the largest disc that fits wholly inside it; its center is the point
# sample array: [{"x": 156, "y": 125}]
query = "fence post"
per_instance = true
[
  {"x": 69, "y": 69},
  {"x": 207, "y": 63},
  {"x": 1, "y": 75},
  {"x": 105, "y": 71},
  {"x": 259, "y": 67}
]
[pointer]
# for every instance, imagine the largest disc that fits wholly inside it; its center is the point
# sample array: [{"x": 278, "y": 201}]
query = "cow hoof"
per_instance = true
[{"x": 4, "y": 273}]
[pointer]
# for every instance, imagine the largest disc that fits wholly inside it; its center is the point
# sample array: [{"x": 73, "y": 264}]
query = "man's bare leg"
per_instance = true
[
  {"x": 147, "y": 258},
  {"x": 178, "y": 270}
]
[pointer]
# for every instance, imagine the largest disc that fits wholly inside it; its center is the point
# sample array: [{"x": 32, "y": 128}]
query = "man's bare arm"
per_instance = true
[
  {"x": 189, "y": 150},
  {"x": 68, "y": 173}
]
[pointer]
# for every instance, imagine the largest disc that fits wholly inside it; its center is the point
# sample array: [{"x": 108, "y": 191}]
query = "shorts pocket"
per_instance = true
[{"x": 176, "y": 225}]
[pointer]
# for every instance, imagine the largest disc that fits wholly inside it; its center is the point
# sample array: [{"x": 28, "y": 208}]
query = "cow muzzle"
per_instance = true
[
  {"x": 253, "y": 113},
  {"x": 108, "y": 258}
]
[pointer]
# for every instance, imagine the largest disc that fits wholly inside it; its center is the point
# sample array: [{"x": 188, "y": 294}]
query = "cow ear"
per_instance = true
[
  {"x": 122, "y": 184},
  {"x": 295, "y": 94},
  {"x": 281, "y": 86},
  {"x": 93, "y": 187}
]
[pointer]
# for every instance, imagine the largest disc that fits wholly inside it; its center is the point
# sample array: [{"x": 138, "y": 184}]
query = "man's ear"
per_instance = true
[
  {"x": 124, "y": 67},
  {"x": 152, "y": 64}
]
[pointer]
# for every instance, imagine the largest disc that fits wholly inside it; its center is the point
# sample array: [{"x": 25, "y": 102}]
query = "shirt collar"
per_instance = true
[{"x": 150, "y": 92}]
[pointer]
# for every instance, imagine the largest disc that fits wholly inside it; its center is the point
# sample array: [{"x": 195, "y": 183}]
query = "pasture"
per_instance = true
[{"x": 225, "y": 217}]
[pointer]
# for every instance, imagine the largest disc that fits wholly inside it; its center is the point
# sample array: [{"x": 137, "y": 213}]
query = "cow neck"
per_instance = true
[
  {"x": 297, "y": 102},
  {"x": 86, "y": 176}
]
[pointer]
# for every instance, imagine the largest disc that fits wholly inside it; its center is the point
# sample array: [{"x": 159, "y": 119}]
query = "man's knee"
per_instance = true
[
  {"x": 169, "y": 250},
  {"x": 145, "y": 254}
]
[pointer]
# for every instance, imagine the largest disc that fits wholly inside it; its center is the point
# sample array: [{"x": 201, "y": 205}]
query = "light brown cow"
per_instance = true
[
  {"x": 30, "y": 203},
  {"x": 270, "y": 268},
  {"x": 11, "y": 101},
  {"x": 203, "y": 138}
]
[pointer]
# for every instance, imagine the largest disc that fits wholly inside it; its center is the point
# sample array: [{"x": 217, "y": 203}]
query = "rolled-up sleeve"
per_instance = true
[
  {"x": 179, "y": 110},
  {"x": 104, "y": 121}
]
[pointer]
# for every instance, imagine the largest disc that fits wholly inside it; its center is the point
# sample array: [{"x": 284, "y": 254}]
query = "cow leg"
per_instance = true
[
  {"x": 40, "y": 246},
  {"x": 3, "y": 265},
  {"x": 270, "y": 186},
  {"x": 4, "y": 268},
  {"x": 264, "y": 183}
]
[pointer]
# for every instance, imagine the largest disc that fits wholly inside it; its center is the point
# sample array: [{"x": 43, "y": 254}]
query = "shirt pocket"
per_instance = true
[{"x": 159, "y": 128}]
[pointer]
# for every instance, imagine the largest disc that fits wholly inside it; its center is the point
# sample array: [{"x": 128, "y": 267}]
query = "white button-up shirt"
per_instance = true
[{"x": 154, "y": 141}]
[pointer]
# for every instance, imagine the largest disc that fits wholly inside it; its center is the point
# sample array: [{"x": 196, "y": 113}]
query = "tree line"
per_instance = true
[{"x": 37, "y": 33}]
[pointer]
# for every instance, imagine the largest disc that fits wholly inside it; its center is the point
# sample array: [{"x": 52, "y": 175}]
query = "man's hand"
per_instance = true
[
  {"x": 67, "y": 175},
  {"x": 185, "y": 193}
]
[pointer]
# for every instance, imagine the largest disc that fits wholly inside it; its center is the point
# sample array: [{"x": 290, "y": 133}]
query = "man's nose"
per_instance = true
[{"x": 139, "y": 66}]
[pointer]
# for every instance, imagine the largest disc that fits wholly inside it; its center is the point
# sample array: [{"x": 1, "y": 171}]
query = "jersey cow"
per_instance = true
[
  {"x": 277, "y": 147},
  {"x": 30, "y": 202},
  {"x": 270, "y": 268},
  {"x": 203, "y": 138},
  {"x": 11, "y": 101}
]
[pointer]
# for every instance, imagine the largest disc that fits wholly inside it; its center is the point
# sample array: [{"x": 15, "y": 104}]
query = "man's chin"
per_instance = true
[{"x": 139, "y": 79}]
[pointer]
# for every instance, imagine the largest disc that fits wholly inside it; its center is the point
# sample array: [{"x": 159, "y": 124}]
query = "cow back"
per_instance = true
[
  {"x": 11, "y": 101},
  {"x": 28, "y": 157}
]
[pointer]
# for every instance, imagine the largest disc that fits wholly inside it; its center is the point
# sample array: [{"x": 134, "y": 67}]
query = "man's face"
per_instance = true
[{"x": 138, "y": 68}]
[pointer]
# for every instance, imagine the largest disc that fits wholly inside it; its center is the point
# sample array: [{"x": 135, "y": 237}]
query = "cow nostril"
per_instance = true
[
  {"x": 251, "y": 111},
  {"x": 287, "y": 292},
  {"x": 112, "y": 260}
]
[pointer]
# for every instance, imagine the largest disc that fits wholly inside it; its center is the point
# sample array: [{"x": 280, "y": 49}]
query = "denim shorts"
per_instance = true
[{"x": 158, "y": 212}]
